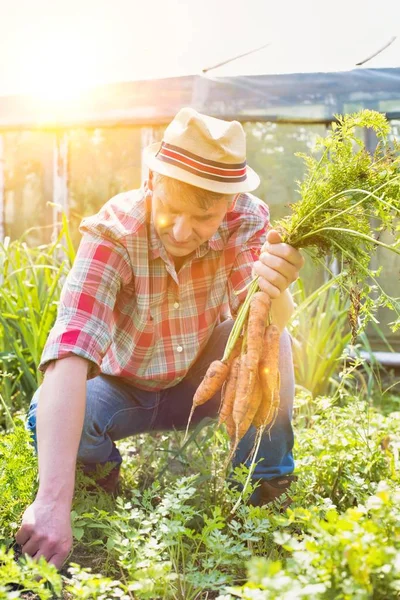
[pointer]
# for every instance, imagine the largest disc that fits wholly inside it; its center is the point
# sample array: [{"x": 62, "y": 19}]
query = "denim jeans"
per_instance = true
[{"x": 115, "y": 409}]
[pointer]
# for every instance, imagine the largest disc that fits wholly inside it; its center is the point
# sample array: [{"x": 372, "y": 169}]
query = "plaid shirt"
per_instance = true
[{"x": 126, "y": 309}]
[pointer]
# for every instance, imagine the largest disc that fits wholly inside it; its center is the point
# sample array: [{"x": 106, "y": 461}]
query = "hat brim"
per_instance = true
[{"x": 251, "y": 182}]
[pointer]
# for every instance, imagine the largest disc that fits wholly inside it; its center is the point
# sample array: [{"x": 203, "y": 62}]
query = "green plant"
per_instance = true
[
  {"x": 349, "y": 556},
  {"x": 18, "y": 474},
  {"x": 342, "y": 457},
  {"x": 320, "y": 336},
  {"x": 177, "y": 539},
  {"x": 31, "y": 284},
  {"x": 91, "y": 586},
  {"x": 348, "y": 198},
  {"x": 27, "y": 575}
]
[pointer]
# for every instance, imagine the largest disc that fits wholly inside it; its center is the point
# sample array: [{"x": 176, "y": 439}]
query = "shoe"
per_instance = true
[
  {"x": 110, "y": 483},
  {"x": 272, "y": 489}
]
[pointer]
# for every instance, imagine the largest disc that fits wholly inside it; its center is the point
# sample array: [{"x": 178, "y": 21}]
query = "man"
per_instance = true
[{"x": 141, "y": 317}]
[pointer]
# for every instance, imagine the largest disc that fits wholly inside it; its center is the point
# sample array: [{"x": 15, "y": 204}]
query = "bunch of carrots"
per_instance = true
[
  {"x": 348, "y": 197},
  {"x": 248, "y": 372}
]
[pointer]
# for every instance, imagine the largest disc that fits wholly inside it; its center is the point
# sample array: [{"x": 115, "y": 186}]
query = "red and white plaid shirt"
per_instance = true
[{"x": 126, "y": 309}]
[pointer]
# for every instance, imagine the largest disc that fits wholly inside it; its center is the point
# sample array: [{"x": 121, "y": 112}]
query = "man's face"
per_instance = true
[{"x": 182, "y": 224}]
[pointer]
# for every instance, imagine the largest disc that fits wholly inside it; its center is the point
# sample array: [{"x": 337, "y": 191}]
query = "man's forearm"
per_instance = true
[
  {"x": 60, "y": 418},
  {"x": 282, "y": 309}
]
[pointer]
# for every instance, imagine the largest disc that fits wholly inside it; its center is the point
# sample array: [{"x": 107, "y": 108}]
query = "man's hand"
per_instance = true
[
  {"x": 278, "y": 266},
  {"x": 46, "y": 531}
]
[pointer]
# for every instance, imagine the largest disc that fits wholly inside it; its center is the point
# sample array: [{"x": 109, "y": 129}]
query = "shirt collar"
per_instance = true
[{"x": 155, "y": 243}]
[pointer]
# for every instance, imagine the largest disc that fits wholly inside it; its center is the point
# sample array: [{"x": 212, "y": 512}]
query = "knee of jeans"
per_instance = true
[{"x": 92, "y": 429}]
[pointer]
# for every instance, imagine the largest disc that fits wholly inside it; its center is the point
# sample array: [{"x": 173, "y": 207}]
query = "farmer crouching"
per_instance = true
[{"x": 141, "y": 318}]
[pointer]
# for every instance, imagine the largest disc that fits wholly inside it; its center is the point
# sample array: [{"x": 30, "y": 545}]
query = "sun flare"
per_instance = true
[{"x": 60, "y": 66}]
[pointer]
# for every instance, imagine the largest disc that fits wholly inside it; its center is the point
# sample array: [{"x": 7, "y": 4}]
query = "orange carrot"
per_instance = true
[
  {"x": 242, "y": 412},
  {"x": 213, "y": 380},
  {"x": 251, "y": 411},
  {"x": 229, "y": 391},
  {"x": 269, "y": 406},
  {"x": 244, "y": 392},
  {"x": 269, "y": 378},
  {"x": 260, "y": 306},
  {"x": 216, "y": 374},
  {"x": 236, "y": 350},
  {"x": 269, "y": 363},
  {"x": 230, "y": 427}
]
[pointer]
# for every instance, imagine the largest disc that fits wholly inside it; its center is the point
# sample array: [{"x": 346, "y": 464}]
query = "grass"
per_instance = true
[{"x": 170, "y": 533}]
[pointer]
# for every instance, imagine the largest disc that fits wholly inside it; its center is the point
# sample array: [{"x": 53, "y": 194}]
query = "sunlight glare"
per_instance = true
[
  {"x": 162, "y": 221},
  {"x": 60, "y": 65}
]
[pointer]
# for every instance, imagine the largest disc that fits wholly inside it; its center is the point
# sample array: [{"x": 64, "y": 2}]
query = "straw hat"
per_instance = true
[{"x": 206, "y": 152}]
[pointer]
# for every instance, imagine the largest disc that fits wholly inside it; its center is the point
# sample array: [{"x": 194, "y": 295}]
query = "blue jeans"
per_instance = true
[{"x": 115, "y": 409}]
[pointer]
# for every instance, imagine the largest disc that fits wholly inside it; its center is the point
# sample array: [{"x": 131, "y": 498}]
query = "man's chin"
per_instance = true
[{"x": 177, "y": 250}]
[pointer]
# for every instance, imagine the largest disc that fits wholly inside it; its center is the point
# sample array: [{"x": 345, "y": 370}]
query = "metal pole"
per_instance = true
[
  {"x": 147, "y": 138},
  {"x": 2, "y": 191},
  {"x": 60, "y": 180}
]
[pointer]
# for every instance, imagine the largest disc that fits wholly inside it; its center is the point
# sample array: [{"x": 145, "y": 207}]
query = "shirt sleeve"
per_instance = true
[
  {"x": 85, "y": 313},
  {"x": 241, "y": 274}
]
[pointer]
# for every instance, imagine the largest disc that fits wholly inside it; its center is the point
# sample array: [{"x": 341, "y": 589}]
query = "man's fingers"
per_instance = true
[
  {"x": 54, "y": 552},
  {"x": 273, "y": 237},
  {"x": 58, "y": 559},
  {"x": 280, "y": 265},
  {"x": 273, "y": 277},
  {"x": 268, "y": 288},
  {"x": 292, "y": 255},
  {"x": 32, "y": 546},
  {"x": 23, "y": 534}
]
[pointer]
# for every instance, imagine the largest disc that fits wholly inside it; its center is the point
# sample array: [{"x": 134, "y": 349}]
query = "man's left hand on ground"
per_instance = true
[{"x": 278, "y": 266}]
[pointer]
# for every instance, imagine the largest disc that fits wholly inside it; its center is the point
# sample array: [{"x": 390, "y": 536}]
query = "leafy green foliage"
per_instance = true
[
  {"x": 343, "y": 457},
  {"x": 31, "y": 282},
  {"x": 178, "y": 539},
  {"x": 348, "y": 197},
  {"x": 27, "y": 575},
  {"x": 18, "y": 473},
  {"x": 353, "y": 555},
  {"x": 318, "y": 327},
  {"x": 88, "y": 586}
]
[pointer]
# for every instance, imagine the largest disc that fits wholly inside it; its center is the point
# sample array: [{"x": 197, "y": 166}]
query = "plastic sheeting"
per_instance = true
[
  {"x": 309, "y": 96},
  {"x": 313, "y": 97}
]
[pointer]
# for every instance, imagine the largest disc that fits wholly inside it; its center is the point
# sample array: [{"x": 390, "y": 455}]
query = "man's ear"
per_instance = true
[{"x": 150, "y": 181}]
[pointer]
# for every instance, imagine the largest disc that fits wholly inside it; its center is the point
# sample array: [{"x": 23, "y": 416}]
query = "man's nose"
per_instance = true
[{"x": 182, "y": 229}]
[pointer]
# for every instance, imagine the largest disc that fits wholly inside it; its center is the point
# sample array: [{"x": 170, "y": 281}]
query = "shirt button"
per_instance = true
[
  {"x": 176, "y": 304},
  {"x": 179, "y": 349}
]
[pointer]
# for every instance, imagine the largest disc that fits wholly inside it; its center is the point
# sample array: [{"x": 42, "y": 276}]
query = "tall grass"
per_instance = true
[
  {"x": 31, "y": 281},
  {"x": 320, "y": 331}
]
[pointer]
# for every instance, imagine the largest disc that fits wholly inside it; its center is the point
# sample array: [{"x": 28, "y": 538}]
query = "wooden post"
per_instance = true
[
  {"x": 60, "y": 180},
  {"x": 2, "y": 191},
  {"x": 147, "y": 139}
]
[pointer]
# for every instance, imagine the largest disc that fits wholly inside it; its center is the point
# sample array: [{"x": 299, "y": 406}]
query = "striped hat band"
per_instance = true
[{"x": 197, "y": 165}]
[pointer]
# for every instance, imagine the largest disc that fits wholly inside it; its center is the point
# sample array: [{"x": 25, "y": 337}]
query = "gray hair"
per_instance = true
[{"x": 203, "y": 198}]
